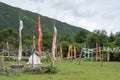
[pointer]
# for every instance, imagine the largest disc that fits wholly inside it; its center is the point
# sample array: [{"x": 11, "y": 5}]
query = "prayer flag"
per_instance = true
[
  {"x": 97, "y": 50},
  {"x": 20, "y": 41},
  {"x": 39, "y": 37},
  {"x": 54, "y": 45}
]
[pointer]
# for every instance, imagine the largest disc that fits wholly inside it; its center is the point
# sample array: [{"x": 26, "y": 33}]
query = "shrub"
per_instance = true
[
  {"x": 26, "y": 69},
  {"x": 49, "y": 69},
  {"x": 36, "y": 69},
  {"x": 30, "y": 69},
  {"x": 8, "y": 59},
  {"x": 45, "y": 59},
  {"x": 5, "y": 70}
]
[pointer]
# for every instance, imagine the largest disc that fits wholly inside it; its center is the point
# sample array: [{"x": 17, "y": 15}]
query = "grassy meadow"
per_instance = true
[{"x": 74, "y": 71}]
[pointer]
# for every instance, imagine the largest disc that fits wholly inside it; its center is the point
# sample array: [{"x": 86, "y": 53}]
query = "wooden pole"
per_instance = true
[
  {"x": 108, "y": 54},
  {"x": 80, "y": 57},
  {"x": 101, "y": 59},
  {"x": 8, "y": 50},
  {"x": 3, "y": 55}
]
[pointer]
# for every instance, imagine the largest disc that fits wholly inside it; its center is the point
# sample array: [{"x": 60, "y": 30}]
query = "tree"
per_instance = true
[
  {"x": 7, "y": 35},
  {"x": 81, "y": 36},
  {"x": 117, "y": 39},
  {"x": 67, "y": 37},
  {"x": 101, "y": 37},
  {"x": 64, "y": 45},
  {"x": 47, "y": 40},
  {"x": 91, "y": 41},
  {"x": 111, "y": 37},
  {"x": 27, "y": 41}
]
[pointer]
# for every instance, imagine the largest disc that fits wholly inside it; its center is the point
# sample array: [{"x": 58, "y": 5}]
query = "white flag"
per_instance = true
[
  {"x": 20, "y": 41},
  {"x": 54, "y": 45}
]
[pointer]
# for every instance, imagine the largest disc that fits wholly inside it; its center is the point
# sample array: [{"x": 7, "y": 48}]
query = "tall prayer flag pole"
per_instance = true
[
  {"x": 61, "y": 54},
  {"x": 8, "y": 50},
  {"x": 20, "y": 41},
  {"x": 53, "y": 46},
  {"x": 39, "y": 37},
  {"x": 80, "y": 56},
  {"x": 75, "y": 52},
  {"x": 56, "y": 51},
  {"x": 108, "y": 54},
  {"x": 97, "y": 50},
  {"x": 34, "y": 42},
  {"x": 68, "y": 55}
]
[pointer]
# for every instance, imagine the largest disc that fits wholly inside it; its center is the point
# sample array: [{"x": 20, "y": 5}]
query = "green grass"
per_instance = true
[{"x": 84, "y": 71}]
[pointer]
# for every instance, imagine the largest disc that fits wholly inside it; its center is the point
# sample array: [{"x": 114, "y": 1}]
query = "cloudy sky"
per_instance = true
[{"x": 88, "y": 14}]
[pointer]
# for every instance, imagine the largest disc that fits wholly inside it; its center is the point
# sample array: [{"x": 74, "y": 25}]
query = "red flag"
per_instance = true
[
  {"x": 54, "y": 45},
  {"x": 20, "y": 41},
  {"x": 97, "y": 49},
  {"x": 39, "y": 37}
]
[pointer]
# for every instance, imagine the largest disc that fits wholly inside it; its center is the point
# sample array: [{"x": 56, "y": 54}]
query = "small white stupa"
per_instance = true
[{"x": 34, "y": 60}]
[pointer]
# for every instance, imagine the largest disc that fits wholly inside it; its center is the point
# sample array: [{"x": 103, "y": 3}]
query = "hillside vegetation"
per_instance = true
[{"x": 9, "y": 17}]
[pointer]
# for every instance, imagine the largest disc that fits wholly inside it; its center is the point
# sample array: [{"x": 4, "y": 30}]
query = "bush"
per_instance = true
[
  {"x": 8, "y": 59},
  {"x": 36, "y": 69},
  {"x": 45, "y": 59},
  {"x": 49, "y": 69},
  {"x": 5, "y": 70},
  {"x": 30, "y": 69},
  {"x": 26, "y": 69}
]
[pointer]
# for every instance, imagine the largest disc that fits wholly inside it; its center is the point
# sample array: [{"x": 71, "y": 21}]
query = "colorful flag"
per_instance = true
[
  {"x": 68, "y": 55},
  {"x": 97, "y": 50},
  {"x": 71, "y": 51},
  {"x": 56, "y": 51},
  {"x": 114, "y": 50},
  {"x": 119, "y": 49},
  {"x": 20, "y": 41},
  {"x": 61, "y": 54},
  {"x": 110, "y": 49},
  {"x": 8, "y": 48},
  {"x": 104, "y": 48},
  {"x": 54, "y": 45},
  {"x": 75, "y": 52},
  {"x": 39, "y": 37}
]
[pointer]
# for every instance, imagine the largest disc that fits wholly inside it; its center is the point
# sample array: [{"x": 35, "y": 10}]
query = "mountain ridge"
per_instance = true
[{"x": 9, "y": 17}]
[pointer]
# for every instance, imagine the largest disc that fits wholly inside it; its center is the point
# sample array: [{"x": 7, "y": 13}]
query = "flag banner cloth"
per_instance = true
[
  {"x": 97, "y": 50},
  {"x": 39, "y": 37},
  {"x": 20, "y": 41},
  {"x": 61, "y": 54},
  {"x": 54, "y": 45},
  {"x": 75, "y": 52},
  {"x": 68, "y": 54}
]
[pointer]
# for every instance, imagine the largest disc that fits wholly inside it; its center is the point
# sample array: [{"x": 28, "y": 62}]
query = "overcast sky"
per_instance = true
[{"x": 88, "y": 14}]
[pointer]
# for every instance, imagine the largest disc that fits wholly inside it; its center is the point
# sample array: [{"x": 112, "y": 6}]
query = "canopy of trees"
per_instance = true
[{"x": 67, "y": 34}]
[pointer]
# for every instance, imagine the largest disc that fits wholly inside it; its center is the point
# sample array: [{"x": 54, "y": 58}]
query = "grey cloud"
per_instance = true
[
  {"x": 84, "y": 14},
  {"x": 65, "y": 4},
  {"x": 38, "y": 0},
  {"x": 108, "y": 16},
  {"x": 111, "y": 13}
]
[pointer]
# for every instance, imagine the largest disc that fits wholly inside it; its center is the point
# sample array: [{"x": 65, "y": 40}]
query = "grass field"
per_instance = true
[{"x": 84, "y": 71}]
